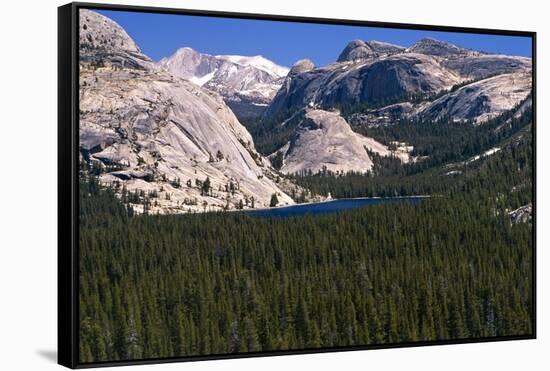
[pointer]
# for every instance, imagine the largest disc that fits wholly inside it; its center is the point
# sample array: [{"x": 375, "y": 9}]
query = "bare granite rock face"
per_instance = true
[
  {"x": 163, "y": 135},
  {"x": 302, "y": 66},
  {"x": 382, "y": 47},
  {"x": 359, "y": 49},
  {"x": 325, "y": 141},
  {"x": 481, "y": 100},
  {"x": 527, "y": 105},
  {"x": 101, "y": 33}
]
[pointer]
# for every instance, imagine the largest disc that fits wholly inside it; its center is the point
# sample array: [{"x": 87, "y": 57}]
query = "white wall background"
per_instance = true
[{"x": 28, "y": 155}]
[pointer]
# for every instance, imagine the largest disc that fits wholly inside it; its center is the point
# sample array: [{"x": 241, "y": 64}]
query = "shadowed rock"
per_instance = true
[{"x": 372, "y": 81}]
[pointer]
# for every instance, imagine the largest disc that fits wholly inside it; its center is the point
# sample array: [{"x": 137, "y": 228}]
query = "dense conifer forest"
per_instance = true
[{"x": 451, "y": 267}]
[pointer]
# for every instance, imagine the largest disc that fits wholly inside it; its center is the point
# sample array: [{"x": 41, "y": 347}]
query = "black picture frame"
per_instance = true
[{"x": 68, "y": 203}]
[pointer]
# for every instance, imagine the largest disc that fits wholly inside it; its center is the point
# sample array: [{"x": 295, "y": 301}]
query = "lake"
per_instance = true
[{"x": 330, "y": 206}]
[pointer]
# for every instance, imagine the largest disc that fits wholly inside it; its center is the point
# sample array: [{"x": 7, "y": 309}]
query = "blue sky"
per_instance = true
[{"x": 160, "y": 35}]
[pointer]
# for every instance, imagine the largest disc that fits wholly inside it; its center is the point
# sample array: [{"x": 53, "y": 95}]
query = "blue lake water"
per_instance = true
[{"x": 330, "y": 206}]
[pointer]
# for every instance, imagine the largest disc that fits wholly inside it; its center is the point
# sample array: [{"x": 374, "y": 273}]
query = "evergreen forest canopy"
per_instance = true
[{"x": 452, "y": 267}]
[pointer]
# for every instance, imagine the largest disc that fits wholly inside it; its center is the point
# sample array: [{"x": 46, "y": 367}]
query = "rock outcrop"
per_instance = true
[
  {"x": 523, "y": 214},
  {"x": 375, "y": 83},
  {"x": 487, "y": 65},
  {"x": 381, "y": 47},
  {"x": 302, "y": 66},
  {"x": 356, "y": 50},
  {"x": 324, "y": 141}
]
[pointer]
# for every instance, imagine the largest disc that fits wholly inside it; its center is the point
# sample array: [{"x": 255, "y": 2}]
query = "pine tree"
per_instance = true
[{"x": 274, "y": 200}]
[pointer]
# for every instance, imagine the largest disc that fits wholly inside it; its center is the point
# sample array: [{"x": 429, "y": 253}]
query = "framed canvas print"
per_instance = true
[{"x": 236, "y": 185}]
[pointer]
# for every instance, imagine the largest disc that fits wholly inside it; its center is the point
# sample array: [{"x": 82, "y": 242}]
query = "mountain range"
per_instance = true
[{"x": 173, "y": 129}]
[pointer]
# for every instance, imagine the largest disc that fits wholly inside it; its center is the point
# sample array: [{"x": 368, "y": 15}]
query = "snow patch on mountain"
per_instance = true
[
  {"x": 200, "y": 81},
  {"x": 258, "y": 62}
]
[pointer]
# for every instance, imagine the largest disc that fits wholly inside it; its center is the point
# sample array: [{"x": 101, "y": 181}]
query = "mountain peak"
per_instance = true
[
  {"x": 257, "y": 61},
  {"x": 356, "y": 49},
  {"x": 186, "y": 50},
  {"x": 98, "y": 32},
  {"x": 185, "y": 53},
  {"x": 200, "y": 137},
  {"x": 433, "y": 41}
]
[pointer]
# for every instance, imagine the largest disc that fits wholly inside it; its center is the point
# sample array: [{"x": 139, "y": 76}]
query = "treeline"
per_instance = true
[
  {"x": 508, "y": 172},
  {"x": 452, "y": 267}
]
